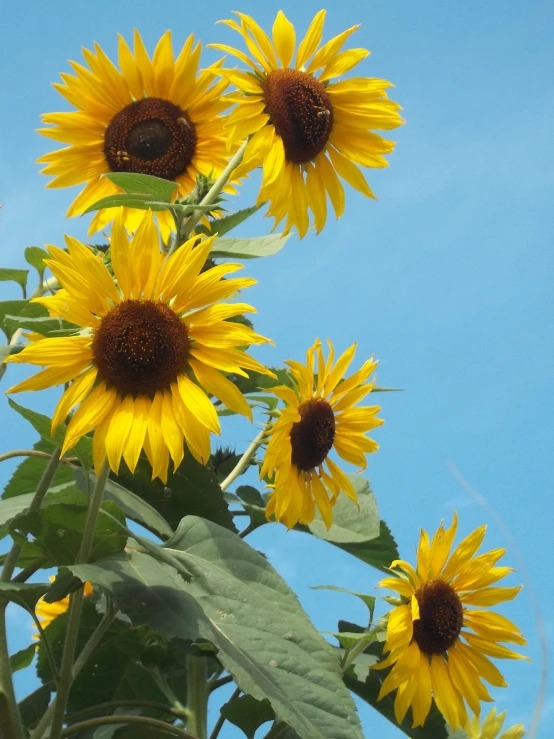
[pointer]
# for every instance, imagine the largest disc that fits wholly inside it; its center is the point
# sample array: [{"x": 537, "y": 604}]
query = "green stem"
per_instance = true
[
  {"x": 143, "y": 720},
  {"x": 221, "y": 720},
  {"x": 208, "y": 199},
  {"x": 178, "y": 708},
  {"x": 95, "y": 639},
  {"x": 10, "y": 721},
  {"x": 57, "y": 707},
  {"x": 219, "y": 682},
  {"x": 244, "y": 461},
  {"x": 110, "y": 705},
  {"x": 33, "y": 453},
  {"x": 26, "y": 572},
  {"x": 197, "y": 696}
]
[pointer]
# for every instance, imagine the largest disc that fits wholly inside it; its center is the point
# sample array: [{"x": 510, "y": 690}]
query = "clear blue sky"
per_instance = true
[{"x": 447, "y": 279}]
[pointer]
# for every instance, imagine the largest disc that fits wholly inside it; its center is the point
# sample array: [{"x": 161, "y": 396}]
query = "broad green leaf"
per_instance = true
[
  {"x": 250, "y": 495},
  {"x": 35, "y": 256},
  {"x": 256, "y": 381},
  {"x": 279, "y": 730},
  {"x": 14, "y": 506},
  {"x": 350, "y": 524},
  {"x": 25, "y": 594},
  {"x": 142, "y": 202},
  {"x": 259, "y": 246},
  {"x": 27, "y": 474},
  {"x": 33, "y": 706},
  {"x": 192, "y": 490},
  {"x": 247, "y": 713},
  {"x": 378, "y": 552},
  {"x": 349, "y": 639},
  {"x": 22, "y": 659},
  {"x": 264, "y": 637},
  {"x": 369, "y": 600},
  {"x": 18, "y": 308},
  {"x": 133, "y": 506},
  {"x": 145, "y": 184},
  {"x": 57, "y": 530},
  {"x": 42, "y": 424},
  {"x": 42, "y": 324},
  {"x": 224, "y": 225},
  {"x": 15, "y": 275}
]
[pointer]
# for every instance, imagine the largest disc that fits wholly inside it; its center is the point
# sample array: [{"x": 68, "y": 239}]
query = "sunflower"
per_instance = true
[
  {"x": 305, "y": 129},
  {"x": 439, "y": 644},
  {"x": 491, "y": 726},
  {"x": 319, "y": 416},
  {"x": 156, "y": 116},
  {"x": 47, "y": 612},
  {"x": 148, "y": 348}
]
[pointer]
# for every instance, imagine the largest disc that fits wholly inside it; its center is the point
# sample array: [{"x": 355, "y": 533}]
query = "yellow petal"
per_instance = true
[
  {"x": 284, "y": 38},
  {"x": 197, "y": 403},
  {"x": 75, "y": 393},
  {"x": 311, "y": 40},
  {"x": 89, "y": 414},
  {"x": 216, "y": 384},
  {"x": 135, "y": 440},
  {"x": 172, "y": 434},
  {"x": 121, "y": 422}
]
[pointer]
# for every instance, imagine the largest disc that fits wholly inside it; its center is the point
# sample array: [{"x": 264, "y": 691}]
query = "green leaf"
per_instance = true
[
  {"x": 134, "y": 507},
  {"x": 15, "y": 275},
  {"x": 33, "y": 706},
  {"x": 142, "y": 202},
  {"x": 7, "y": 349},
  {"x": 350, "y": 525},
  {"x": 57, "y": 530},
  {"x": 378, "y": 552},
  {"x": 224, "y": 225},
  {"x": 259, "y": 246},
  {"x": 256, "y": 381},
  {"x": 279, "y": 730},
  {"x": 237, "y": 601},
  {"x": 25, "y": 594},
  {"x": 42, "y": 424},
  {"x": 369, "y": 600},
  {"x": 22, "y": 659},
  {"x": 250, "y": 495},
  {"x": 18, "y": 308},
  {"x": 64, "y": 584},
  {"x": 27, "y": 474},
  {"x": 192, "y": 490},
  {"x": 43, "y": 324},
  {"x": 145, "y": 184},
  {"x": 248, "y": 713},
  {"x": 14, "y": 506},
  {"x": 35, "y": 256}
]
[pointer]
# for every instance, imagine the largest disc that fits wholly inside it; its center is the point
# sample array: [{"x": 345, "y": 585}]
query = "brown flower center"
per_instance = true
[
  {"x": 441, "y": 617},
  {"x": 140, "y": 347},
  {"x": 312, "y": 437},
  {"x": 150, "y": 136},
  {"x": 301, "y": 111}
]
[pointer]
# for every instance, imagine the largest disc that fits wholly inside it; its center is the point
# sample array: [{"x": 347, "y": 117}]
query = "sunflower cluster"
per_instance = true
[{"x": 156, "y": 340}]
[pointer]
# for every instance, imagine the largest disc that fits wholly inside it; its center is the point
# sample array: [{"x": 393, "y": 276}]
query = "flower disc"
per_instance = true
[
  {"x": 440, "y": 617},
  {"x": 312, "y": 437}
]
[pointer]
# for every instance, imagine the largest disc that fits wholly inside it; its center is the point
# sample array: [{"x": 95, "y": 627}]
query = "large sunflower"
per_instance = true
[
  {"x": 156, "y": 116},
  {"x": 305, "y": 129},
  {"x": 492, "y": 725},
  {"x": 319, "y": 416},
  {"x": 149, "y": 346},
  {"x": 439, "y": 644}
]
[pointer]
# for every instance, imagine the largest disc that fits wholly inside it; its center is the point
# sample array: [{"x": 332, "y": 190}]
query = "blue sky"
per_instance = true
[{"x": 447, "y": 278}]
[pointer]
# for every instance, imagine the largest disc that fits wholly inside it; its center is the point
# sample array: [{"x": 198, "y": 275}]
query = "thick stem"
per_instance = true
[
  {"x": 143, "y": 720},
  {"x": 197, "y": 696},
  {"x": 244, "y": 461},
  {"x": 10, "y": 721},
  {"x": 94, "y": 640},
  {"x": 208, "y": 199},
  {"x": 57, "y": 708}
]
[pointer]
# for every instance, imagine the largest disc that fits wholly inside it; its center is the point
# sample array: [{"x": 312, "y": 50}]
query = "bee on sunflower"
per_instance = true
[
  {"x": 306, "y": 129},
  {"x": 319, "y": 416},
  {"x": 151, "y": 345},
  {"x": 155, "y": 116},
  {"x": 439, "y": 644}
]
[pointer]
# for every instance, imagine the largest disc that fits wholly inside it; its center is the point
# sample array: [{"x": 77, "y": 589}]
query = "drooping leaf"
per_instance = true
[
  {"x": 132, "y": 505},
  {"x": 259, "y": 246},
  {"x": 369, "y": 600},
  {"x": 35, "y": 256},
  {"x": 42, "y": 424},
  {"x": 14, "y": 506},
  {"x": 57, "y": 530},
  {"x": 25, "y": 594},
  {"x": 15, "y": 275},
  {"x": 145, "y": 184},
  {"x": 350, "y": 524},
  {"x": 33, "y": 706},
  {"x": 22, "y": 659},
  {"x": 224, "y": 225},
  {"x": 250, "y": 495},
  {"x": 192, "y": 490},
  {"x": 248, "y": 713}
]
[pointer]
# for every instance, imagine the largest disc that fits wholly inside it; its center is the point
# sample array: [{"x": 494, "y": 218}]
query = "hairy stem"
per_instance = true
[
  {"x": 197, "y": 696},
  {"x": 208, "y": 199},
  {"x": 244, "y": 461},
  {"x": 57, "y": 707},
  {"x": 143, "y": 720}
]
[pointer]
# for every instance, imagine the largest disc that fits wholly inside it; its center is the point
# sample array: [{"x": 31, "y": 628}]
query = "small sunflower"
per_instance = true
[
  {"x": 319, "y": 416},
  {"x": 492, "y": 725},
  {"x": 156, "y": 116},
  {"x": 150, "y": 346},
  {"x": 305, "y": 129},
  {"x": 439, "y": 644},
  {"x": 47, "y": 612}
]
